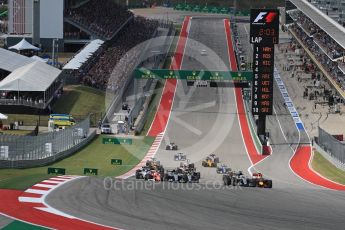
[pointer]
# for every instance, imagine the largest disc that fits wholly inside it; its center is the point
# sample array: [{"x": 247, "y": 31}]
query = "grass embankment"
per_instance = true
[
  {"x": 76, "y": 100},
  {"x": 95, "y": 155},
  {"x": 327, "y": 169},
  {"x": 80, "y": 100}
]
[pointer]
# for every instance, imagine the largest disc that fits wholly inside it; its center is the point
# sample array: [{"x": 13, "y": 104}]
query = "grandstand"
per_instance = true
[
  {"x": 102, "y": 34},
  {"x": 322, "y": 36},
  {"x": 72, "y": 23}
]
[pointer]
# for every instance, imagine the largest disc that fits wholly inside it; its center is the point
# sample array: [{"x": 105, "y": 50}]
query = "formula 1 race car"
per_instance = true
[
  {"x": 187, "y": 166},
  {"x": 153, "y": 170},
  {"x": 210, "y": 161},
  {"x": 141, "y": 173},
  {"x": 171, "y": 146},
  {"x": 261, "y": 181},
  {"x": 153, "y": 175},
  {"x": 180, "y": 157},
  {"x": 181, "y": 176},
  {"x": 155, "y": 165},
  {"x": 223, "y": 169},
  {"x": 237, "y": 178}
]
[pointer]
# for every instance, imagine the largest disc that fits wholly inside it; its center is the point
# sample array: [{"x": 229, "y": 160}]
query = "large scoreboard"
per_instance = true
[
  {"x": 264, "y": 34},
  {"x": 264, "y": 26}
]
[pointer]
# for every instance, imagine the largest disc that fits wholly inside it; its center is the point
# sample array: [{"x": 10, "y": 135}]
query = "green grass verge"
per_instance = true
[
  {"x": 80, "y": 100},
  {"x": 327, "y": 169},
  {"x": 28, "y": 120},
  {"x": 16, "y": 225},
  {"x": 77, "y": 100},
  {"x": 95, "y": 155}
]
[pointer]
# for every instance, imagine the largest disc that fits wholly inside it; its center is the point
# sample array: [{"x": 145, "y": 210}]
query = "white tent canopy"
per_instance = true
[
  {"x": 24, "y": 45},
  {"x": 36, "y": 76},
  {"x": 37, "y": 58},
  {"x": 84, "y": 55},
  {"x": 3, "y": 116},
  {"x": 11, "y": 61}
]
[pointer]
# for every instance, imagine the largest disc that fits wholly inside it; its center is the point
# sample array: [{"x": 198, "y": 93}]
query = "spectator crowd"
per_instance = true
[
  {"x": 330, "y": 66},
  {"x": 99, "y": 72},
  {"x": 325, "y": 49},
  {"x": 102, "y": 17}
]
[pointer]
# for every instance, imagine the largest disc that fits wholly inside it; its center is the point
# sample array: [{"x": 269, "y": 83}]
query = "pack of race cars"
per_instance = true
[
  {"x": 187, "y": 173},
  {"x": 154, "y": 171}
]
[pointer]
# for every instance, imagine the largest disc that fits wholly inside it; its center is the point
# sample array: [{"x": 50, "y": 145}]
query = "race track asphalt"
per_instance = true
[{"x": 204, "y": 121}]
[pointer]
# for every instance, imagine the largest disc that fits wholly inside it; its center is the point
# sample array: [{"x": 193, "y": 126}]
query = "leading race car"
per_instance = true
[
  {"x": 171, "y": 146},
  {"x": 237, "y": 178},
  {"x": 223, "y": 169},
  {"x": 180, "y": 157},
  {"x": 261, "y": 181},
  {"x": 210, "y": 161}
]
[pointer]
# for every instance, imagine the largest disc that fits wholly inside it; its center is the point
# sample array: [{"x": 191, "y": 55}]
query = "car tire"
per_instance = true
[
  {"x": 226, "y": 180},
  {"x": 233, "y": 181},
  {"x": 251, "y": 182},
  {"x": 268, "y": 184}
]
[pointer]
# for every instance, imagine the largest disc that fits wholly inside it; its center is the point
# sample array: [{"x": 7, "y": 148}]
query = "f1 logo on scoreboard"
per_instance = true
[
  {"x": 264, "y": 26},
  {"x": 266, "y": 17}
]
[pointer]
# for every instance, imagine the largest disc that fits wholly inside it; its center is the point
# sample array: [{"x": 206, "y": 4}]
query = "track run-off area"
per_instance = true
[{"x": 201, "y": 120}]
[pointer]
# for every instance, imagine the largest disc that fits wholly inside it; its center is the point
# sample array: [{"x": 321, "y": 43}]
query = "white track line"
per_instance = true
[
  {"x": 30, "y": 199},
  {"x": 36, "y": 191}
]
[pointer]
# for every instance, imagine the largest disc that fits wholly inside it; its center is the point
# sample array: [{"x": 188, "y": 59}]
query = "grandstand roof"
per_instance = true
[
  {"x": 331, "y": 27},
  {"x": 11, "y": 61},
  {"x": 36, "y": 76},
  {"x": 84, "y": 55}
]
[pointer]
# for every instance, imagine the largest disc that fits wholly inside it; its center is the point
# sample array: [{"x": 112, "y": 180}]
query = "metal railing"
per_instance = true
[
  {"x": 143, "y": 103},
  {"x": 44, "y": 148},
  {"x": 31, "y": 103}
]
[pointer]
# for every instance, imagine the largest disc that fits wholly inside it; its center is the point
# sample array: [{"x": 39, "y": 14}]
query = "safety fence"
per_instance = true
[
  {"x": 142, "y": 105},
  {"x": 331, "y": 145},
  {"x": 148, "y": 86},
  {"x": 29, "y": 151}
]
